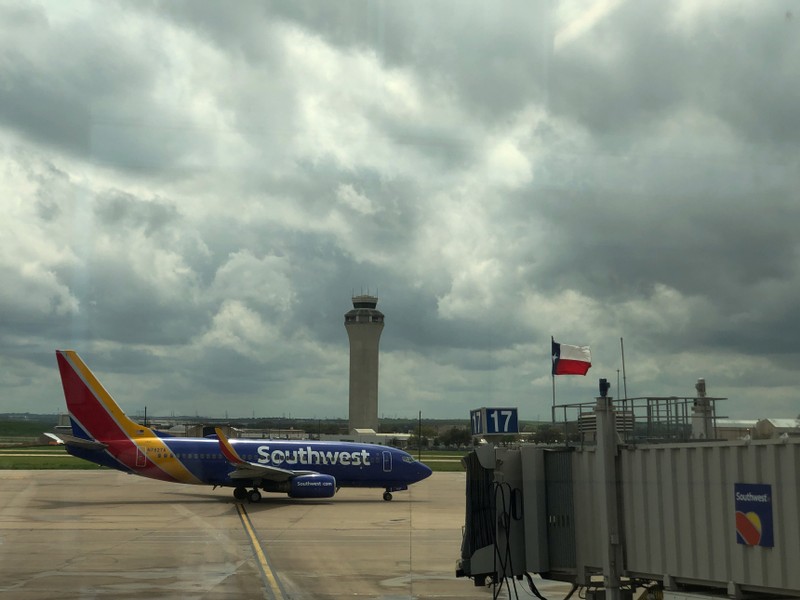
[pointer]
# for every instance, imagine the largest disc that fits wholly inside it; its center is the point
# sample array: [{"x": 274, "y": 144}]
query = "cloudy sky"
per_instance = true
[{"x": 193, "y": 191}]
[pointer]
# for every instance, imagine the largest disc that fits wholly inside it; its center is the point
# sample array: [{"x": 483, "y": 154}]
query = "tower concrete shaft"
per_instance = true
[{"x": 364, "y": 325}]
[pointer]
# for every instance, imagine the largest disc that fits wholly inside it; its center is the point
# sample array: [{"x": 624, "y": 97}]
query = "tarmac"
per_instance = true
[{"x": 104, "y": 534}]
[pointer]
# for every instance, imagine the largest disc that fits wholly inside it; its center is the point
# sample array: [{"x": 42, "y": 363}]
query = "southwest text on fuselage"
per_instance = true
[{"x": 309, "y": 456}]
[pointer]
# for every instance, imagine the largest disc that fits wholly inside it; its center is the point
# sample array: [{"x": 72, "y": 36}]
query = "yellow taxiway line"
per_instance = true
[{"x": 269, "y": 574}]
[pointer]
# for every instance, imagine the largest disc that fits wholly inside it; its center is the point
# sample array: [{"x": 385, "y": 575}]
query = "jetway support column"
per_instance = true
[{"x": 606, "y": 480}]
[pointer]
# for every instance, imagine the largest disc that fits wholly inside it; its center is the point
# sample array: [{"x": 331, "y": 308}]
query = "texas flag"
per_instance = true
[{"x": 570, "y": 360}]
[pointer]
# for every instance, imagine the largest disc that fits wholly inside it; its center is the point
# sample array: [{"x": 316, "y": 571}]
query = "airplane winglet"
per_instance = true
[
  {"x": 249, "y": 470},
  {"x": 227, "y": 449},
  {"x": 55, "y": 438}
]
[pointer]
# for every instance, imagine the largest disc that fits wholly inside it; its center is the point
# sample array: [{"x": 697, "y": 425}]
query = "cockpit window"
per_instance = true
[{"x": 408, "y": 459}]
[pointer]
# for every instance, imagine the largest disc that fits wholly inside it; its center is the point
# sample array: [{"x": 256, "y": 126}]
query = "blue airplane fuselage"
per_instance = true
[{"x": 351, "y": 464}]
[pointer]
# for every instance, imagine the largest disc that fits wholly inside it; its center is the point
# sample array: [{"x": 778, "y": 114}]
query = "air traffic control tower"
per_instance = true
[{"x": 364, "y": 325}]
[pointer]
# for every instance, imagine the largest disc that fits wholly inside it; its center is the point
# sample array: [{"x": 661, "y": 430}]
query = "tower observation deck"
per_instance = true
[{"x": 364, "y": 325}]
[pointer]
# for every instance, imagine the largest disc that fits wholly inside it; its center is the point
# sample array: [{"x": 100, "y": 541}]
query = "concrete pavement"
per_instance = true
[{"x": 103, "y": 534}]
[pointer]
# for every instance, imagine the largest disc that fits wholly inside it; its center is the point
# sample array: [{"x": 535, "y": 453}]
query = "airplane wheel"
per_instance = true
[
  {"x": 240, "y": 493},
  {"x": 254, "y": 496},
  {"x": 387, "y": 496}
]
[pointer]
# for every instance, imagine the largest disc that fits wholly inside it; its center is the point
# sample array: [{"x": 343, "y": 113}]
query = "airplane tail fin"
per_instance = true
[{"x": 92, "y": 410}]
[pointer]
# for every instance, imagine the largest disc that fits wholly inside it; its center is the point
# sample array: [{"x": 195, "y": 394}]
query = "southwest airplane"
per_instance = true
[{"x": 103, "y": 434}]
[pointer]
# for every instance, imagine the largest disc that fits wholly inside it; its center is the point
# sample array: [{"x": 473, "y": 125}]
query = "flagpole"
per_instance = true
[
  {"x": 624, "y": 380},
  {"x": 553, "y": 379}
]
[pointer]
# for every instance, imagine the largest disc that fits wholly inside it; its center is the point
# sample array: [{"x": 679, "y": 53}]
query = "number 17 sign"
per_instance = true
[{"x": 494, "y": 421}]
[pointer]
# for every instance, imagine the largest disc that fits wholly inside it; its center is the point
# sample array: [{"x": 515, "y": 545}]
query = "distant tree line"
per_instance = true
[{"x": 434, "y": 434}]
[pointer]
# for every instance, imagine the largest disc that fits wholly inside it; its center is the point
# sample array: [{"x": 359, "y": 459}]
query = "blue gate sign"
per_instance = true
[
  {"x": 753, "y": 514},
  {"x": 494, "y": 421}
]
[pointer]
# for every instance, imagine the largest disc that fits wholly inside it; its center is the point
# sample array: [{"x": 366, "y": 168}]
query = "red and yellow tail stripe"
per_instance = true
[{"x": 95, "y": 411}]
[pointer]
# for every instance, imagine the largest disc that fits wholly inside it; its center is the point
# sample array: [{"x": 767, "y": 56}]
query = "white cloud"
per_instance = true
[
  {"x": 577, "y": 18},
  {"x": 30, "y": 252},
  {"x": 350, "y": 198},
  {"x": 241, "y": 329},
  {"x": 258, "y": 282},
  {"x": 691, "y": 18},
  {"x": 507, "y": 165}
]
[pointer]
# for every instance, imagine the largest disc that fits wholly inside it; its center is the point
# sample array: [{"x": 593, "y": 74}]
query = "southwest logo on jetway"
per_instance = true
[
  {"x": 753, "y": 514},
  {"x": 309, "y": 456}
]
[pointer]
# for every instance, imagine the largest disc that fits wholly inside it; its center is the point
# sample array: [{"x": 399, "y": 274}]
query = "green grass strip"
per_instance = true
[{"x": 45, "y": 462}]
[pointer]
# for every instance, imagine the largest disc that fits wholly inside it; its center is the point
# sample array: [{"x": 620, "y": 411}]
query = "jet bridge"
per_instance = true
[{"x": 615, "y": 512}]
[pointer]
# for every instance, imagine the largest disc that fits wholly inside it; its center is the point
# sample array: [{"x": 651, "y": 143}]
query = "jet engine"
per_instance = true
[{"x": 312, "y": 486}]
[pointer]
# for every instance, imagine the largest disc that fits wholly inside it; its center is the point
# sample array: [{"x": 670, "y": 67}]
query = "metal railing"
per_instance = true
[{"x": 647, "y": 419}]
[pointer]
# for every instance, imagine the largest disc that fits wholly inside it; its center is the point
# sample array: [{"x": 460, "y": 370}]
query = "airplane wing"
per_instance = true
[
  {"x": 250, "y": 470},
  {"x": 71, "y": 440}
]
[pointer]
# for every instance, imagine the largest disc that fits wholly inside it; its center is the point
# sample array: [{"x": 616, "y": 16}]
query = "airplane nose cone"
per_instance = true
[{"x": 423, "y": 471}]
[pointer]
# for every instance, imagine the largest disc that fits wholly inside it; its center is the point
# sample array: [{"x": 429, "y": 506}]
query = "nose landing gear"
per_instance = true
[{"x": 387, "y": 495}]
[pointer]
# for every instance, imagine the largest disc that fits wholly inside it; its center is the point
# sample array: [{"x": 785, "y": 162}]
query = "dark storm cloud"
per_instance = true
[
  {"x": 500, "y": 70},
  {"x": 59, "y": 93},
  {"x": 244, "y": 32},
  {"x": 414, "y": 323},
  {"x": 129, "y": 360},
  {"x": 443, "y": 147},
  {"x": 695, "y": 247},
  {"x": 223, "y": 371},
  {"x": 314, "y": 186},
  {"x": 641, "y": 65},
  {"x": 119, "y": 304},
  {"x": 120, "y": 209},
  {"x": 732, "y": 253},
  {"x": 34, "y": 305},
  {"x": 89, "y": 89},
  {"x": 100, "y": 285}
]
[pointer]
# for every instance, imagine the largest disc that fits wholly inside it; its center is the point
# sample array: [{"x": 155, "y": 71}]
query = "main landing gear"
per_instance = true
[{"x": 241, "y": 494}]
